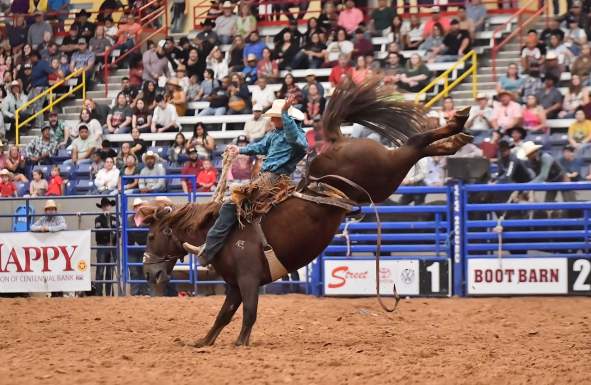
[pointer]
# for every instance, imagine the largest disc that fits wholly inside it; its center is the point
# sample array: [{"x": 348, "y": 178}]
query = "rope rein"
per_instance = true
[{"x": 220, "y": 190}]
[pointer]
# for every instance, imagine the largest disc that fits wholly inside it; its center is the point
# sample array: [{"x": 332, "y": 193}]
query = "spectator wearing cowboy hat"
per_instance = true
[
  {"x": 225, "y": 24},
  {"x": 50, "y": 222},
  {"x": 176, "y": 96},
  {"x": 506, "y": 113},
  {"x": 7, "y": 186},
  {"x": 546, "y": 169},
  {"x": 480, "y": 115},
  {"x": 107, "y": 178},
  {"x": 511, "y": 169},
  {"x": 85, "y": 28},
  {"x": 192, "y": 167},
  {"x": 134, "y": 255},
  {"x": 256, "y": 127},
  {"x": 517, "y": 135},
  {"x": 14, "y": 99},
  {"x": 165, "y": 116},
  {"x": 105, "y": 225},
  {"x": 152, "y": 168}
]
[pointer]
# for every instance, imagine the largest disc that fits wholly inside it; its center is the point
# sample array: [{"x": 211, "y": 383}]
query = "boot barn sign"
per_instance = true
[{"x": 45, "y": 262}]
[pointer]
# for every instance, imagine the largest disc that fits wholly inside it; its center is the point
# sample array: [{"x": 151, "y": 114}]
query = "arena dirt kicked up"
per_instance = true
[{"x": 297, "y": 339}]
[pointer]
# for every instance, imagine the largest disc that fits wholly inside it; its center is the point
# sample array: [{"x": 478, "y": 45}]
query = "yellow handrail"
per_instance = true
[
  {"x": 445, "y": 78},
  {"x": 82, "y": 85}
]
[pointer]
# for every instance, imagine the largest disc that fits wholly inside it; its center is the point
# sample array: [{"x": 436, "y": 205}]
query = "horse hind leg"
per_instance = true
[
  {"x": 453, "y": 127},
  {"x": 231, "y": 304},
  {"x": 249, "y": 287},
  {"x": 447, "y": 146}
]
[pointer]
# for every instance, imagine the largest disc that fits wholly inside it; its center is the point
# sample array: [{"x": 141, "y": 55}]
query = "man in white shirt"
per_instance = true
[
  {"x": 415, "y": 177},
  {"x": 165, "y": 117},
  {"x": 107, "y": 178},
  {"x": 412, "y": 32},
  {"x": 480, "y": 118},
  {"x": 225, "y": 24},
  {"x": 257, "y": 127},
  {"x": 262, "y": 94}
]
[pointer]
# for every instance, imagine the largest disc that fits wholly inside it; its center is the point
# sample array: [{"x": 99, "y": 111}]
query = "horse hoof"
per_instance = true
[
  {"x": 241, "y": 343},
  {"x": 200, "y": 343}
]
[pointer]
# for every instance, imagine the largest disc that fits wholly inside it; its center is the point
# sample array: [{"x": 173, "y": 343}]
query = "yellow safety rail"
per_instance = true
[
  {"x": 51, "y": 92},
  {"x": 445, "y": 78}
]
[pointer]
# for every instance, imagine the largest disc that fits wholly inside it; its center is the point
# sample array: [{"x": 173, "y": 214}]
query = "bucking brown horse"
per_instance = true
[{"x": 297, "y": 229}]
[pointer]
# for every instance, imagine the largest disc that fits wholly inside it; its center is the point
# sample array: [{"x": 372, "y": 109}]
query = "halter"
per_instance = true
[{"x": 150, "y": 259}]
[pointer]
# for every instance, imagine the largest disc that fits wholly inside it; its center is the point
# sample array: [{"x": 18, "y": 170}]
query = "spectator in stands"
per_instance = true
[
  {"x": 217, "y": 61},
  {"x": 433, "y": 41},
  {"x": 290, "y": 88},
  {"x": 7, "y": 186},
  {"x": 517, "y": 135},
  {"x": 41, "y": 148},
  {"x": 201, "y": 141},
  {"x": 179, "y": 9},
  {"x": 12, "y": 102},
  {"x": 207, "y": 177},
  {"x": 570, "y": 164},
  {"x": 311, "y": 80},
  {"x": 476, "y": 12},
  {"x": 119, "y": 119},
  {"x": 96, "y": 164},
  {"x": 448, "y": 109},
  {"x": 550, "y": 98},
  {"x": 97, "y": 111},
  {"x": 94, "y": 127},
  {"x": 225, "y": 24},
  {"x": 532, "y": 84},
  {"x": 575, "y": 11},
  {"x": 246, "y": 22},
  {"x": 99, "y": 44},
  {"x": 83, "y": 59},
  {"x": 193, "y": 166},
  {"x": 193, "y": 90},
  {"x": 106, "y": 151},
  {"x": 152, "y": 167},
  {"x": 37, "y": 30},
  {"x": 50, "y": 222},
  {"x": 510, "y": 168},
  {"x": 350, "y": 17},
  {"x": 393, "y": 67},
  {"x": 312, "y": 54},
  {"x": 415, "y": 177},
  {"x": 155, "y": 63},
  {"x": 575, "y": 37},
  {"x": 436, "y": 18},
  {"x": 148, "y": 94},
  {"x": 506, "y": 114},
  {"x": 361, "y": 45},
  {"x": 481, "y": 115},
  {"x": 254, "y": 46},
  {"x": 83, "y": 146},
  {"x": 553, "y": 28},
  {"x": 534, "y": 117},
  {"x": 56, "y": 183},
  {"x": 165, "y": 117},
  {"x": 285, "y": 51},
  {"x": 340, "y": 71},
  {"x": 70, "y": 41},
  {"x": 208, "y": 84},
  {"x": 177, "y": 151},
  {"x": 262, "y": 94},
  {"x": 490, "y": 146},
  {"x": 39, "y": 83},
  {"x": 546, "y": 169},
  {"x": 218, "y": 100},
  {"x": 579, "y": 132},
  {"x": 130, "y": 168},
  {"x": 176, "y": 96},
  {"x": 531, "y": 54},
  {"x": 59, "y": 131},
  {"x": 466, "y": 23},
  {"x": 576, "y": 96},
  {"x": 360, "y": 73},
  {"x": 412, "y": 32},
  {"x": 329, "y": 16},
  {"x": 195, "y": 65},
  {"x": 123, "y": 152},
  {"x": 250, "y": 69},
  {"x": 105, "y": 235},
  {"x": 38, "y": 186},
  {"x": 559, "y": 51},
  {"x": 435, "y": 171},
  {"x": 267, "y": 67},
  {"x": 510, "y": 82},
  {"x": 381, "y": 18},
  {"x": 236, "y": 54},
  {"x": 416, "y": 76},
  {"x": 17, "y": 31},
  {"x": 456, "y": 43},
  {"x": 16, "y": 164},
  {"x": 341, "y": 46},
  {"x": 129, "y": 31},
  {"x": 313, "y": 106},
  {"x": 582, "y": 64},
  {"x": 129, "y": 91},
  {"x": 141, "y": 118},
  {"x": 256, "y": 128},
  {"x": 107, "y": 178},
  {"x": 111, "y": 30}
]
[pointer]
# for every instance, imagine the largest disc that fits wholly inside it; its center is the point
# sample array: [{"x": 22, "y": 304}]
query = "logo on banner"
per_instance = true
[
  {"x": 82, "y": 266},
  {"x": 341, "y": 274},
  {"x": 407, "y": 276}
]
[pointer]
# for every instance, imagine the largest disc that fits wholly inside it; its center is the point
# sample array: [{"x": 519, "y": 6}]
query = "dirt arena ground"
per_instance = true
[{"x": 297, "y": 339}]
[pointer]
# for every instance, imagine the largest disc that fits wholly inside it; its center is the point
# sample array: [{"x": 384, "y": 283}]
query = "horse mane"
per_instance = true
[
  {"x": 192, "y": 217},
  {"x": 373, "y": 105}
]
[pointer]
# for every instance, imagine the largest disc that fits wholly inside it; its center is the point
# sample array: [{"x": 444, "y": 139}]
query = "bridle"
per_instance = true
[{"x": 150, "y": 259}]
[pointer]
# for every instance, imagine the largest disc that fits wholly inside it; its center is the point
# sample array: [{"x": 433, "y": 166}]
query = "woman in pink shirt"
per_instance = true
[
  {"x": 534, "y": 116},
  {"x": 360, "y": 72},
  {"x": 350, "y": 17}
]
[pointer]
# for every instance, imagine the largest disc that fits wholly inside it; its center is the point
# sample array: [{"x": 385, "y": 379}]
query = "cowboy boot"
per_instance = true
[{"x": 198, "y": 251}]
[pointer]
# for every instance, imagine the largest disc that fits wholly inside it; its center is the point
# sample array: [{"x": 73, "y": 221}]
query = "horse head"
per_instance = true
[{"x": 169, "y": 227}]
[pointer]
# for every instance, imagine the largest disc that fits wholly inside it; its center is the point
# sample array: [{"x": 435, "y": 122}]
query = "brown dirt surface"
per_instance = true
[{"x": 297, "y": 339}]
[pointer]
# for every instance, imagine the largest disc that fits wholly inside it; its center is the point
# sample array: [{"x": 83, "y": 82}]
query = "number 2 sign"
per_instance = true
[{"x": 579, "y": 276}]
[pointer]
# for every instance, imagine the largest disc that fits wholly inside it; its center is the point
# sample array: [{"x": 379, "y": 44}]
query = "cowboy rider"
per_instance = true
[{"x": 284, "y": 147}]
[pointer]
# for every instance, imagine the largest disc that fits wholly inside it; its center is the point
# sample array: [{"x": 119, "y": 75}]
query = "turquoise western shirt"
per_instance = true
[{"x": 283, "y": 148}]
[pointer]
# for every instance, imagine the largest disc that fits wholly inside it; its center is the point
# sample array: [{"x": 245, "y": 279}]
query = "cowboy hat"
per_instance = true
[
  {"x": 50, "y": 204},
  {"x": 83, "y": 12},
  {"x": 228, "y": 4},
  {"x": 150, "y": 154},
  {"x": 137, "y": 202},
  {"x": 277, "y": 107},
  {"x": 481, "y": 95},
  {"x": 5, "y": 172},
  {"x": 105, "y": 201},
  {"x": 15, "y": 83},
  {"x": 251, "y": 57},
  {"x": 505, "y": 92},
  {"x": 173, "y": 82},
  {"x": 530, "y": 147},
  {"x": 163, "y": 199}
]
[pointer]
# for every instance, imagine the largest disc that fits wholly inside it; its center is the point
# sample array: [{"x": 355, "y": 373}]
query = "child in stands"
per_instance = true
[
  {"x": 38, "y": 186},
  {"x": 207, "y": 177},
  {"x": 7, "y": 186},
  {"x": 56, "y": 184}
]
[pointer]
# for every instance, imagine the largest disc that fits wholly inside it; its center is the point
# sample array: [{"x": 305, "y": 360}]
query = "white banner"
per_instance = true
[
  {"x": 43, "y": 262},
  {"x": 517, "y": 276},
  {"x": 358, "y": 277}
]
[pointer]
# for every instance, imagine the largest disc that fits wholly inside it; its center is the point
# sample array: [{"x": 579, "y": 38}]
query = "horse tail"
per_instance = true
[{"x": 375, "y": 106}]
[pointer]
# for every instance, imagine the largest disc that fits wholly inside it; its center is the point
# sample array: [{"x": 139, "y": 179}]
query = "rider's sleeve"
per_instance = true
[
  {"x": 257, "y": 148},
  {"x": 544, "y": 170},
  {"x": 293, "y": 133}
]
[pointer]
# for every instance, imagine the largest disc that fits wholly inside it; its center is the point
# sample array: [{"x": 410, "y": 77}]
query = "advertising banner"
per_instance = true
[
  {"x": 44, "y": 262},
  {"x": 517, "y": 276}
]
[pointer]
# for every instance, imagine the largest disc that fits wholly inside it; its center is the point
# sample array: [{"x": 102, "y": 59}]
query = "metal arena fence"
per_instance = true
[{"x": 473, "y": 239}]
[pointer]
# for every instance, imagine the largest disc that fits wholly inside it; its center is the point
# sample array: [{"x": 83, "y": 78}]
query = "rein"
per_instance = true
[{"x": 379, "y": 234}]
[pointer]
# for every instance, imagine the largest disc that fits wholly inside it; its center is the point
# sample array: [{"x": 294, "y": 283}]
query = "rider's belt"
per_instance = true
[{"x": 276, "y": 268}]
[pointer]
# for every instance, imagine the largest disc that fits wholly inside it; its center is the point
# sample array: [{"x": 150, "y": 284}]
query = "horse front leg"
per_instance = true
[
  {"x": 231, "y": 304},
  {"x": 249, "y": 287}
]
